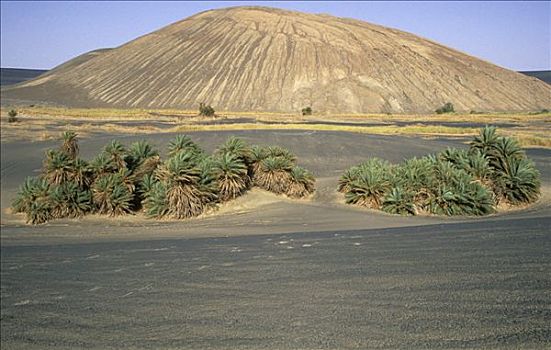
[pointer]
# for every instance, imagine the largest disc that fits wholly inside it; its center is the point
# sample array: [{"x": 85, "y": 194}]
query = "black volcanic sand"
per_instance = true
[{"x": 353, "y": 278}]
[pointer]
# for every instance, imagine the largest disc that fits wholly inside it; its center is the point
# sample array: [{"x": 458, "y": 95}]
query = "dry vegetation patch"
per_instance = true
[{"x": 40, "y": 123}]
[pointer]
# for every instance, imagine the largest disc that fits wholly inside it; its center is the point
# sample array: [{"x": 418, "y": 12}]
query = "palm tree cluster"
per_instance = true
[
  {"x": 453, "y": 182},
  {"x": 123, "y": 180}
]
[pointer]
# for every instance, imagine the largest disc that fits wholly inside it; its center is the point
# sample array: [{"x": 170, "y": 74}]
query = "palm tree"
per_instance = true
[
  {"x": 32, "y": 190},
  {"x": 442, "y": 201},
  {"x": 116, "y": 152},
  {"x": 146, "y": 167},
  {"x": 277, "y": 151},
  {"x": 111, "y": 195},
  {"x": 479, "y": 167},
  {"x": 459, "y": 194},
  {"x": 505, "y": 149},
  {"x": 58, "y": 167},
  {"x": 399, "y": 201},
  {"x": 521, "y": 182},
  {"x": 459, "y": 158},
  {"x": 32, "y": 199},
  {"x": 477, "y": 199},
  {"x": 350, "y": 175},
  {"x": 258, "y": 154},
  {"x": 70, "y": 144},
  {"x": 126, "y": 178},
  {"x": 39, "y": 212},
  {"x": 416, "y": 176},
  {"x": 81, "y": 173},
  {"x": 69, "y": 200},
  {"x": 208, "y": 184},
  {"x": 238, "y": 148},
  {"x": 140, "y": 152},
  {"x": 486, "y": 140},
  {"x": 102, "y": 165},
  {"x": 232, "y": 177},
  {"x": 274, "y": 174},
  {"x": 368, "y": 189},
  {"x": 181, "y": 176},
  {"x": 155, "y": 203},
  {"x": 183, "y": 143},
  {"x": 301, "y": 183}
]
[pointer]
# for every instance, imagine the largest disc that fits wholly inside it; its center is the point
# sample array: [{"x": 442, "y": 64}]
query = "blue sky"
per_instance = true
[{"x": 514, "y": 35}]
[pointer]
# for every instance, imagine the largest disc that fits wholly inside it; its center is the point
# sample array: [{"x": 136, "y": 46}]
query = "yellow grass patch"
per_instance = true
[
  {"x": 385, "y": 130},
  {"x": 47, "y": 121}
]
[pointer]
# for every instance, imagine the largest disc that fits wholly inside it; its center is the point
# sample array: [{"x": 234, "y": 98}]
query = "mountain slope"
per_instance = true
[{"x": 265, "y": 59}]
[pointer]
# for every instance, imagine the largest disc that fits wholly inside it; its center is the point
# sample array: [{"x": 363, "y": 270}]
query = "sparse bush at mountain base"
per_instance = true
[
  {"x": 12, "y": 116},
  {"x": 206, "y": 110},
  {"x": 446, "y": 108}
]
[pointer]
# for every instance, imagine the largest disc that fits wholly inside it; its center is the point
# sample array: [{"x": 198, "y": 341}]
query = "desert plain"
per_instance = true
[{"x": 265, "y": 271}]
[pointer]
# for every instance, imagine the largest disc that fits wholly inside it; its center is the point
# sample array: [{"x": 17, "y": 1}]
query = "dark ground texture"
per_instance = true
[{"x": 469, "y": 285}]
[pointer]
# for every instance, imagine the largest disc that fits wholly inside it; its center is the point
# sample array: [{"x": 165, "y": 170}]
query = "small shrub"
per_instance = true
[
  {"x": 206, "y": 110},
  {"x": 12, "y": 116},
  {"x": 446, "y": 108},
  {"x": 542, "y": 111},
  {"x": 307, "y": 111}
]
